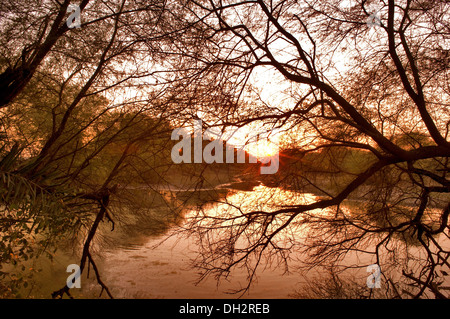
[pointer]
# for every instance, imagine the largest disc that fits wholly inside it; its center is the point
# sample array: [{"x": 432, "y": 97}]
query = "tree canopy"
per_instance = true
[{"x": 359, "y": 90}]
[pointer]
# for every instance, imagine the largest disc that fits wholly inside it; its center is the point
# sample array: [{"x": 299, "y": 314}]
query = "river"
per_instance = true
[{"x": 159, "y": 265}]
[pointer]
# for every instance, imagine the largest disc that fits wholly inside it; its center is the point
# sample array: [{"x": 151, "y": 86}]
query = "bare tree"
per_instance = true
[
  {"x": 363, "y": 99},
  {"x": 365, "y": 102},
  {"x": 85, "y": 113}
]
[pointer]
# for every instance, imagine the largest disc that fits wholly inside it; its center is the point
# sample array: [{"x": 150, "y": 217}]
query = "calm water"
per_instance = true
[
  {"x": 151, "y": 266},
  {"x": 145, "y": 265},
  {"x": 161, "y": 268}
]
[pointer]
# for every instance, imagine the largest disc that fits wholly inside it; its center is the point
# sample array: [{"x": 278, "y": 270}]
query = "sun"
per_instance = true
[{"x": 263, "y": 148}]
